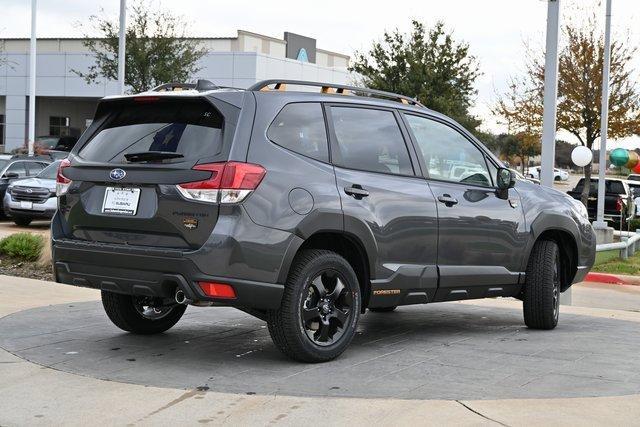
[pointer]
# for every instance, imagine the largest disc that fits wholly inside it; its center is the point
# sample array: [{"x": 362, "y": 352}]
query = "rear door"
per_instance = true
[
  {"x": 118, "y": 195},
  {"x": 383, "y": 199},
  {"x": 481, "y": 233}
]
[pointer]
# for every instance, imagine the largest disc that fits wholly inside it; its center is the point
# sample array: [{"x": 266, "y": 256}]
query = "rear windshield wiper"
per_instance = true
[{"x": 146, "y": 156}]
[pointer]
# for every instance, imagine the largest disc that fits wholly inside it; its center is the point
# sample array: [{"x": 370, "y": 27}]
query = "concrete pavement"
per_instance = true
[
  {"x": 7, "y": 228},
  {"x": 33, "y": 394}
]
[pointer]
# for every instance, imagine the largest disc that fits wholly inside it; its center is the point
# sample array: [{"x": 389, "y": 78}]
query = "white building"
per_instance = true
[{"x": 65, "y": 102}]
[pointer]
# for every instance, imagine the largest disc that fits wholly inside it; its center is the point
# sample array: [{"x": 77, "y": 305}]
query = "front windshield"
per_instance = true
[{"x": 50, "y": 171}]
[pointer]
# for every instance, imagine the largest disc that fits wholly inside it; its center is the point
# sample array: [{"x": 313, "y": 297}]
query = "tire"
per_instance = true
[
  {"x": 22, "y": 221},
  {"x": 383, "y": 309},
  {"x": 541, "y": 300},
  {"x": 125, "y": 312},
  {"x": 330, "y": 316}
]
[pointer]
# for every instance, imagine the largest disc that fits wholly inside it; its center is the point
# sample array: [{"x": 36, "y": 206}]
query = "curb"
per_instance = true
[{"x": 612, "y": 279}]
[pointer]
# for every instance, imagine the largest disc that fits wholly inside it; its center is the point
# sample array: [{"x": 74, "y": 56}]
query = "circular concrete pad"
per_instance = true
[{"x": 439, "y": 351}]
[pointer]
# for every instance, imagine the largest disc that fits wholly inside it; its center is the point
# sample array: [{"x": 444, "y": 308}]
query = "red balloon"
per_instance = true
[{"x": 636, "y": 169}]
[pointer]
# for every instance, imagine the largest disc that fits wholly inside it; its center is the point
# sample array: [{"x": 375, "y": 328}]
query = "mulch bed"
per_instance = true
[{"x": 32, "y": 270}]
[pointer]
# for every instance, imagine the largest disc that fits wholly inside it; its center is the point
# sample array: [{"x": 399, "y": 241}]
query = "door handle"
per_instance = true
[
  {"x": 356, "y": 191},
  {"x": 447, "y": 200}
]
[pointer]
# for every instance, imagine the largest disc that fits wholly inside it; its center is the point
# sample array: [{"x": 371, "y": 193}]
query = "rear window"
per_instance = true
[
  {"x": 615, "y": 187},
  {"x": 192, "y": 128}
]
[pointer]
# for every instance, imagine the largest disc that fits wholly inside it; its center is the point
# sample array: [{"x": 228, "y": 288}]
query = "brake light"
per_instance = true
[
  {"x": 146, "y": 99},
  {"x": 62, "y": 182},
  {"x": 619, "y": 205},
  {"x": 230, "y": 182},
  {"x": 217, "y": 290}
]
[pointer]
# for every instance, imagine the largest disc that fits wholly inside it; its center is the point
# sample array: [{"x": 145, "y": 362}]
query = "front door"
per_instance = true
[
  {"x": 481, "y": 232},
  {"x": 383, "y": 198}
]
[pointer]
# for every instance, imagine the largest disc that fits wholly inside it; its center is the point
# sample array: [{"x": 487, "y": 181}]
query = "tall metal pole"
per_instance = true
[
  {"x": 32, "y": 79},
  {"x": 121, "y": 45},
  {"x": 604, "y": 120},
  {"x": 550, "y": 94}
]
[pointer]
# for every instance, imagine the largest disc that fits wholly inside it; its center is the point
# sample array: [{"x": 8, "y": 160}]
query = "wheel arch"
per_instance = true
[
  {"x": 347, "y": 245},
  {"x": 562, "y": 230}
]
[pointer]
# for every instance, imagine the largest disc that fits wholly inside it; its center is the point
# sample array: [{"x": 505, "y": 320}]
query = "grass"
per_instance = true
[{"x": 630, "y": 266}]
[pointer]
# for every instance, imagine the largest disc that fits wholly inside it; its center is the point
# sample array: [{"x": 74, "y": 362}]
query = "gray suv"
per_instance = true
[{"x": 303, "y": 204}]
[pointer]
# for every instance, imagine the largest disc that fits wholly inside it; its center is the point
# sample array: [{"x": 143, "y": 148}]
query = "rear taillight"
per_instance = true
[
  {"x": 619, "y": 205},
  {"x": 62, "y": 182},
  {"x": 230, "y": 182}
]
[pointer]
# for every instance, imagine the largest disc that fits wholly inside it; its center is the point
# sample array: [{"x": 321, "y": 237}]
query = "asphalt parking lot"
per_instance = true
[{"x": 472, "y": 363}]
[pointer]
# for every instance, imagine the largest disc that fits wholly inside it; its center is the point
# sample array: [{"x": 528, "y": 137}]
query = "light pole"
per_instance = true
[
  {"x": 550, "y": 105},
  {"x": 600, "y": 223},
  {"x": 121, "y": 45},
  {"x": 550, "y": 94},
  {"x": 32, "y": 79}
]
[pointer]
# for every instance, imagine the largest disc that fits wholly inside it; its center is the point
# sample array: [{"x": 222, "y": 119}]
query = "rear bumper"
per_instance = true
[{"x": 150, "y": 272}]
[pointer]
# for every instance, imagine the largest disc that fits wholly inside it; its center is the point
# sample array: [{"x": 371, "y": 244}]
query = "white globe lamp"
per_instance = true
[{"x": 581, "y": 156}]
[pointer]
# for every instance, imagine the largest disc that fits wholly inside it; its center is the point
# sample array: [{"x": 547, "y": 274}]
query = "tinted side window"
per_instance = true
[
  {"x": 448, "y": 155},
  {"x": 370, "y": 140},
  {"x": 300, "y": 128}
]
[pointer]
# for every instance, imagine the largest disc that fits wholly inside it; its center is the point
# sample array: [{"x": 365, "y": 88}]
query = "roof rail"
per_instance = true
[
  {"x": 281, "y": 85},
  {"x": 200, "y": 86}
]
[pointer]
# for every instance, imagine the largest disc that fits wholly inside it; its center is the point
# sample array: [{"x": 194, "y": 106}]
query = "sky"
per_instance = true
[{"x": 496, "y": 30}]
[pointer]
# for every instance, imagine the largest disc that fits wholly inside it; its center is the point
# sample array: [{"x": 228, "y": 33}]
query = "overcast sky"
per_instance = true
[{"x": 495, "y": 29}]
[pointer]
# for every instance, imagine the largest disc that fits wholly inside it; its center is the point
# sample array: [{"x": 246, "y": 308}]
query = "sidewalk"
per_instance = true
[{"x": 31, "y": 394}]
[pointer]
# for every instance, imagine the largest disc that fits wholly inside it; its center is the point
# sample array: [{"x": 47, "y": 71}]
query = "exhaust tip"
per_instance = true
[{"x": 181, "y": 298}]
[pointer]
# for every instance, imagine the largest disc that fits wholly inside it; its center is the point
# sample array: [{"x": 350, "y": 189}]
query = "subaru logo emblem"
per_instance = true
[
  {"x": 117, "y": 174},
  {"x": 29, "y": 190}
]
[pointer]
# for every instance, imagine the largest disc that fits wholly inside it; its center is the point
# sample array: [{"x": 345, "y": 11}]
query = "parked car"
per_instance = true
[
  {"x": 618, "y": 202},
  {"x": 32, "y": 198},
  {"x": 633, "y": 177},
  {"x": 303, "y": 209},
  {"x": 558, "y": 174},
  {"x": 56, "y": 143},
  {"x": 18, "y": 168},
  {"x": 520, "y": 176}
]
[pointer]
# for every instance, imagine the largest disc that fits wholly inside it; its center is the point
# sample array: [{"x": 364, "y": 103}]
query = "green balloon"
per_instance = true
[{"x": 619, "y": 157}]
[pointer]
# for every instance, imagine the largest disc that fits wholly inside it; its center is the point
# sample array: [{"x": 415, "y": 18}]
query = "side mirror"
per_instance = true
[
  {"x": 11, "y": 175},
  {"x": 505, "y": 179}
]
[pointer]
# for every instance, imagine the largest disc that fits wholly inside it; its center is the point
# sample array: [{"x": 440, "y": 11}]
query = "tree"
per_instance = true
[
  {"x": 579, "y": 90},
  {"x": 521, "y": 146},
  {"x": 563, "y": 154},
  {"x": 427, "y": 64},
  {"x": 158, "y": 50}
]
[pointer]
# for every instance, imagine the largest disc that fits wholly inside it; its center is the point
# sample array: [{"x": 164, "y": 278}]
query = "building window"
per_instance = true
[
  {"x": 2, "y": 131},
  {"x": 59, "y": 126}
]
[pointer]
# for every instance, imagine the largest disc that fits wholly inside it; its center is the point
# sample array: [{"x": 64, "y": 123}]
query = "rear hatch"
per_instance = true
[{"x": 143, "y": 173}]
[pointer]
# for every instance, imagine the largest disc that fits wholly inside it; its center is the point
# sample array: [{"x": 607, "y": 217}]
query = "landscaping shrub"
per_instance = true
[
  {"x": 22, "y": 246},
  {"x": 634, "y": 224}
]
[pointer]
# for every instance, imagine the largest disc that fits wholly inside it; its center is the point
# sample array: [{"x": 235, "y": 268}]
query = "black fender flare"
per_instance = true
[
  {"x": 551, "y": 221},
  {"x": 330, "y": 222}
]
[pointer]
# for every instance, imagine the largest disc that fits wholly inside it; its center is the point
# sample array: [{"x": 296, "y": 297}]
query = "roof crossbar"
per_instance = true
[{"x": 281, "y": 85}]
